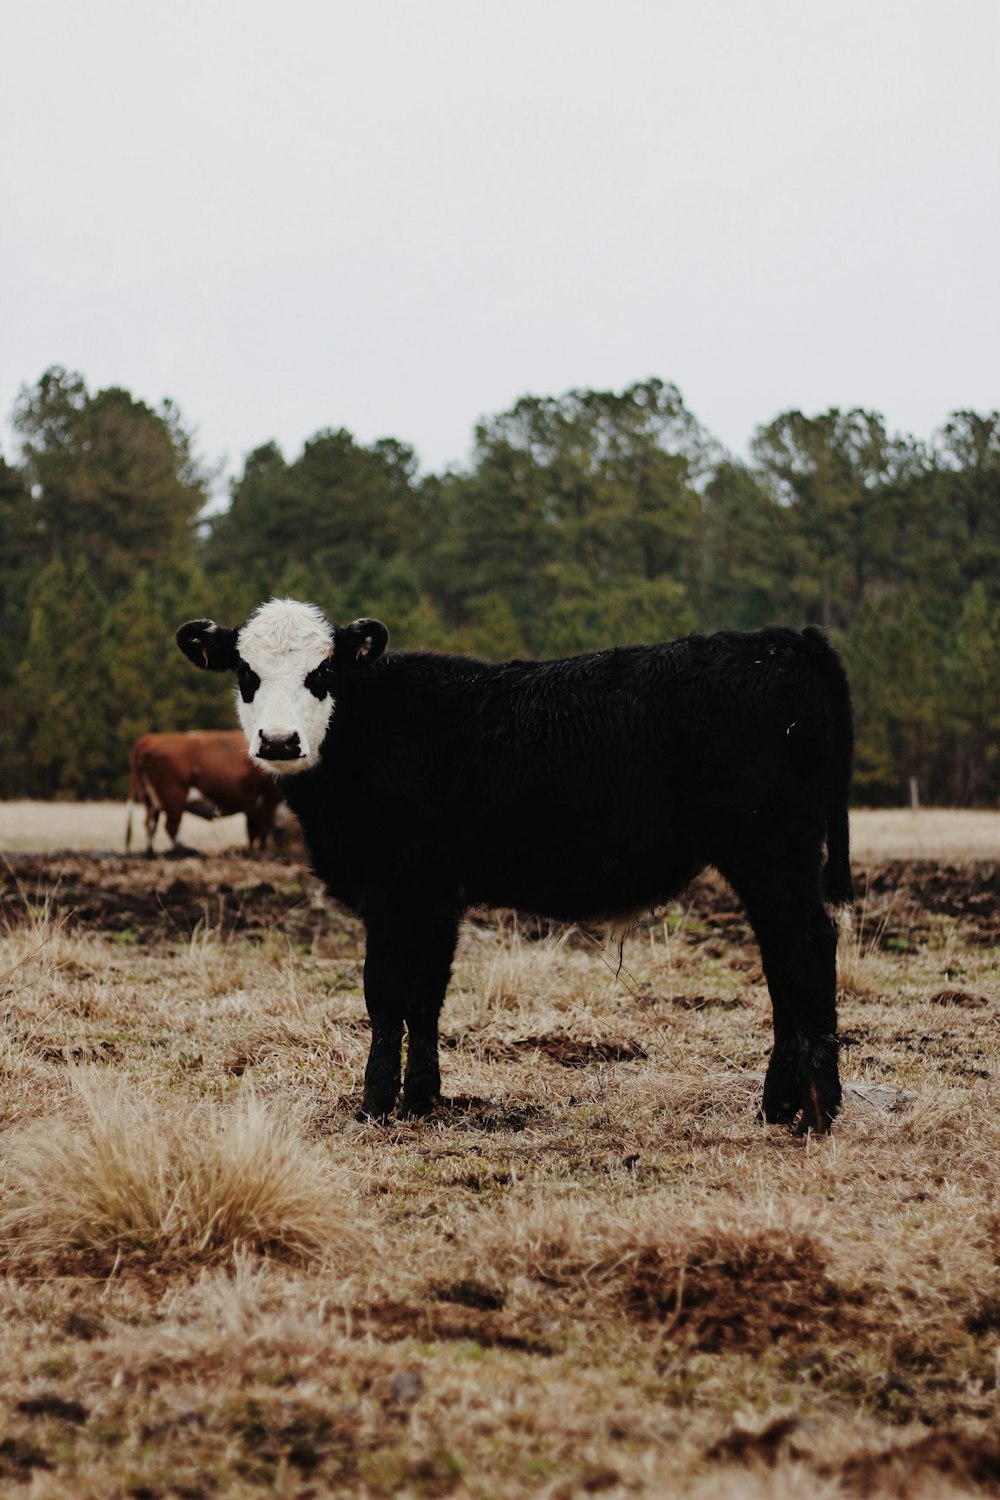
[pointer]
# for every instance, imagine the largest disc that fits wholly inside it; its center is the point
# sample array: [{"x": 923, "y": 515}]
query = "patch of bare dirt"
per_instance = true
[
  {"x": 489, "y": 1327},
  {"x": 568, "y": 1053},
  {"x": 959, "y": 997},
  {"x": 905, "y": 898},
  {"x": 973, "y": 1462},
  {"x": 698, "y": 1002},
  {"x": 743, "y": 1294},
  {"x": 467, "y": 1112},
  {"x": 902, "y": 901},
  {"x": 167, "y": 898},
  {"x": 744, "y": 1446}
]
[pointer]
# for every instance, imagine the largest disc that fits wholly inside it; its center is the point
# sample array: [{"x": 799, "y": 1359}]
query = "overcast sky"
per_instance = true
[{"x": 397, "y": 216}]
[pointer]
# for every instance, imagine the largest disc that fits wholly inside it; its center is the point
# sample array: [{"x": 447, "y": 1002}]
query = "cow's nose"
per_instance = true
[{"x": 279, "y": 746}]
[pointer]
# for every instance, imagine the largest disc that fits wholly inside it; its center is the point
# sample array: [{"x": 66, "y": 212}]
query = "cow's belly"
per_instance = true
[
  {"x": 546, "y": 859},
  {"x": 573, "y": 875}
]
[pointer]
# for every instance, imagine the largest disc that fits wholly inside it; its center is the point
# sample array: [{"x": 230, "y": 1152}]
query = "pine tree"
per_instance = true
[
  {"x": 63, "y": 715},
  {"x": 110, "y": 479},
  {"x": 896, "y": 659},
  {"x": 973, "y": 700}
]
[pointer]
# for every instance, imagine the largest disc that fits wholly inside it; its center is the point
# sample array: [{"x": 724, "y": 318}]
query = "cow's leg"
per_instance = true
[
  {"x": 798, "y": 945},
  {"x": 174, "y": 802},
  {"x": 152, "y": 818},
  {"x": 800, "y": 961},
  {"x": 407, "y": 967}
]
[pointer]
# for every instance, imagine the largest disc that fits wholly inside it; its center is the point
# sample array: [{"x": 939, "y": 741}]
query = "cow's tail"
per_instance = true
[{"x": 838, "y": 887}]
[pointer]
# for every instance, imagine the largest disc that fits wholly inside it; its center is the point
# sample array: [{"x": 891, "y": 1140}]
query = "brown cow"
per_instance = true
[{"x": 206, "y": 772}]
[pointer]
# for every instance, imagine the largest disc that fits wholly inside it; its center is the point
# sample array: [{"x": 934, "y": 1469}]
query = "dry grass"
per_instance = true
[
  {"x": 592, "y": 1273},
  {"x": 140, "y": 1174}
]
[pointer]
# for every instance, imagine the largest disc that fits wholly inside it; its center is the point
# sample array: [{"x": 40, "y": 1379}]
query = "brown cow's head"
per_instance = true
[{"x": 287, "y": 658}]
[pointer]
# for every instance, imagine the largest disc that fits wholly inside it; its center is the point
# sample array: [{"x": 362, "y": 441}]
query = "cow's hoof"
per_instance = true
[
  {"x": 782, "y": 1099},
  {"x": 813, "y": 1117},
  {"x": 418, "y": 1106},
  {"x": 802, "y": 1087},
  {"x": 375, "y": 1111},
  {"x": 820, "y": 1109},
  {"x": 777, "y": 1111}
]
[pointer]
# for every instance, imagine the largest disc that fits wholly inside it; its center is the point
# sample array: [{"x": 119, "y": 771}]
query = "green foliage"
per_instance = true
[
  {"x": 96, "y": 566},
  {"x": 21, "y": 555},
  {"x": 586, "y": 520},
  {"x": 833, "y": 472},
  {"x": 338, "y": 508},
  {"x": 749, "y": 553},
  {"x": 576, "y": 507},
  {"x": 61, "y": 710},
  {"x": 973, "y": 701},
  {"x": 966, "y": 489},
  {"x": 145, "y": 676},
  {"x": 634, "y": 609},
  {"x": 896, "y": 661},
  {"x": 493, "y": 631},
  {"x": 112, "y": 480}
]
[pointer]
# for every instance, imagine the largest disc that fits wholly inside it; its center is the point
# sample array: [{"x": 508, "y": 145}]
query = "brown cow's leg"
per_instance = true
[
  {"x": 152, "y": 818},
  {"x": 173, "y": 807}
]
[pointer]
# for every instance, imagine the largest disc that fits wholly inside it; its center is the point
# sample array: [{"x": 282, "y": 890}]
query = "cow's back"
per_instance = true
[{"x": 584, "y": 786}]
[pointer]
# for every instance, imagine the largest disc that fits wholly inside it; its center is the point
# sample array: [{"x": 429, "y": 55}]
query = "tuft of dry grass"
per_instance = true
[
  {"x": 859, "y": 944},
  {"x": 134, "y": 1174}
]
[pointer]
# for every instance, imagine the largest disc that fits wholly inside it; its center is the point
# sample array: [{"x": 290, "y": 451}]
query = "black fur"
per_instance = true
[
  {"x": 594, "y": 786},
  {"x": 247, "y": 680}
]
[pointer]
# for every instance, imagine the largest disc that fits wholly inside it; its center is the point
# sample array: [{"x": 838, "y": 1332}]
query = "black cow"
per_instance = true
[{"x": 585, "y": 788}]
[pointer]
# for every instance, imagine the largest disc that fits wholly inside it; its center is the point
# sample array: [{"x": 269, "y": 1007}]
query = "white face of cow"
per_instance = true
[
  {"x": 288, "y": 661},
  {"x": 279, "y": 650}
]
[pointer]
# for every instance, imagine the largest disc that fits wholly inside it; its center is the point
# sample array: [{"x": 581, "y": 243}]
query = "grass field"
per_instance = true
[{"x": 591, "y": 1273}]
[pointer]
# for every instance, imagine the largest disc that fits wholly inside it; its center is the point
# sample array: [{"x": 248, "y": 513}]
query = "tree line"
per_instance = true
[{"x": 583, "y": 520}]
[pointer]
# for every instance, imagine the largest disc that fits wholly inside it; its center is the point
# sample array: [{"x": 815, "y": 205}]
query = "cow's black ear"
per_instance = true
[
  {"x": 208, "y": 645},
  {"x": 359, "y": 644}
]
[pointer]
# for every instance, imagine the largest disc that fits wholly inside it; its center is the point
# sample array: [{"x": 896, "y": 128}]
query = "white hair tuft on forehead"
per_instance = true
[{"x": 283, "y": 625}]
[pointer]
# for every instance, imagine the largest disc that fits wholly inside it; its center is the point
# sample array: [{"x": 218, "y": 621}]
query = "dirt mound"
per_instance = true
[
  {"x": 734, "y": 1293},
  {"x": 972, "y": 1462}
]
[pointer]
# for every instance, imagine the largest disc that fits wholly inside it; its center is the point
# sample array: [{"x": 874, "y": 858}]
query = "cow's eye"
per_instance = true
[
  {"x": 247, "y": 680},
  {"x": 317, "y": 682}
]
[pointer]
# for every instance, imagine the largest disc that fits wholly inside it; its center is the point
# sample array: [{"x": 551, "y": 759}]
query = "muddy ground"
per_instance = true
[{"x": 169, "y": 899}]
